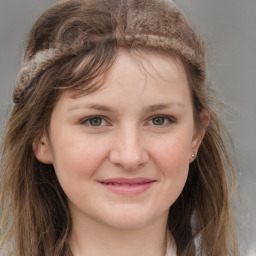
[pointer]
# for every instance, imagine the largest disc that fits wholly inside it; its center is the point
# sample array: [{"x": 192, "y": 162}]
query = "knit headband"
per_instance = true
[
  {"x": 133, "y": 36},
  {"x": 43, "y": 60}
]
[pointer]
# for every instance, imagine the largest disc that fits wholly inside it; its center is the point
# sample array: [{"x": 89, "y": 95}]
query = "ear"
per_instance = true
[
  {"x": 41, "y": 147},
  {"x": 199, "y": 134}
]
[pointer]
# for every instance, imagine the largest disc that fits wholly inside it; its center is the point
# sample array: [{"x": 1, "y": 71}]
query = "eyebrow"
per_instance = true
[
  {"x": 156, "y": 107},
  {"x": 148, "y": 109},
  {"x": 92, "y": 106}
]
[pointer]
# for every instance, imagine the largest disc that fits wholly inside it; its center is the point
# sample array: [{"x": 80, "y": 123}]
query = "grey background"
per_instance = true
[{"x": 229, "y": 27}]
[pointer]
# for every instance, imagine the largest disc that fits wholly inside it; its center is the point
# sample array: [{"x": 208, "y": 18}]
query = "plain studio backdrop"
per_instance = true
[{"x": 229, "y": 27}]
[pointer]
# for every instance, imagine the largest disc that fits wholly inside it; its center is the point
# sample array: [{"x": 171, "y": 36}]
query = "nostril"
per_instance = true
[{"x": 130, "y": 160}]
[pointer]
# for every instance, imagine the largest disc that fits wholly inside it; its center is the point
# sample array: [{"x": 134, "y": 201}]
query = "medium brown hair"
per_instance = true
[{"x": 72, "y": 45}]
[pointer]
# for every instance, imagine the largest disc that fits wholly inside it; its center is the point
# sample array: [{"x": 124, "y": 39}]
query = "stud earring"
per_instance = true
[{"x": 193, "y": 155}]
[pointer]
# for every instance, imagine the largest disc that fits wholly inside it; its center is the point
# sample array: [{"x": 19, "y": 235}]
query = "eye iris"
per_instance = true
[
  {"x": 95, "y": 121},
  {"x": 158, "y": 120}
]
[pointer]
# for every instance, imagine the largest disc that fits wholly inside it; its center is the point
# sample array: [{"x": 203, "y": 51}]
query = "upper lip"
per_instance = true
[{"x": 127, "y": 180}]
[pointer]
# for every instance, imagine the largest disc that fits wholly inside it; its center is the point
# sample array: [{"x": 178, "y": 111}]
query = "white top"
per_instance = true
[{"x": 171, "y": 246}]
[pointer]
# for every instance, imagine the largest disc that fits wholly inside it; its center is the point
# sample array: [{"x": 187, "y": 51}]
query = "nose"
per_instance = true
[{"x": 127, "y": 150}]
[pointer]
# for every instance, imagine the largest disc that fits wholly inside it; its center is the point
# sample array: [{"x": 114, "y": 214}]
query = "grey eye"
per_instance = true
[
  {"x": 96, "y": 121},
  {"x": 159, "y": 120}
]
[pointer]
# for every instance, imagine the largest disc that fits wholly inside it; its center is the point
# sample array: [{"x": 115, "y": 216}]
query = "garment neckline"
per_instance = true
[{"x": 171, "y": 245}]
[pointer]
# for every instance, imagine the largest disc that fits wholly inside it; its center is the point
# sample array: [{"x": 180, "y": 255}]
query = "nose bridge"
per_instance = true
[
  {"x": 130, "y": 141},
  {"x": 128, "y": 149}
]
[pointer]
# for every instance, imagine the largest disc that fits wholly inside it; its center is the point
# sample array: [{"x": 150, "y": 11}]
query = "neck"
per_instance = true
[{"x": 91, "y": 238}]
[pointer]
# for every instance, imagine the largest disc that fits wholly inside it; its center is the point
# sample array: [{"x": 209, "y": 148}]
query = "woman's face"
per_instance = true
[{"x": 122, "y": 153}]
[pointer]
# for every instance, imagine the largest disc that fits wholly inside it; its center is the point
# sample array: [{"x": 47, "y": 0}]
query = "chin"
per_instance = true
[
  {"x": 130, "y": 219},
  {"x": 127, "y": 223}
]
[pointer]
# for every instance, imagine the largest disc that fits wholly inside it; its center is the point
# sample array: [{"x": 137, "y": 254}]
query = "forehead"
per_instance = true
[
  {"x": 152, "y": 64},
  {"x": 144, "y": 75}
]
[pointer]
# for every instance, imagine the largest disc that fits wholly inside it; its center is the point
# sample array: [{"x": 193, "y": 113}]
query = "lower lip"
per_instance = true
[{"x": 126, "y": 189}]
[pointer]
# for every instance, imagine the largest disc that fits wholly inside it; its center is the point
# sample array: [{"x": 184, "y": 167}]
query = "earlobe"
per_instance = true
[
  {"x": 42, "y": 150},
  {"x": 199, "y": 134}
]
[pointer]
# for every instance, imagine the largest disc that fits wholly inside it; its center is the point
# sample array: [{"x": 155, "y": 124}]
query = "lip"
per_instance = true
[{"x": 126, "y": 186}]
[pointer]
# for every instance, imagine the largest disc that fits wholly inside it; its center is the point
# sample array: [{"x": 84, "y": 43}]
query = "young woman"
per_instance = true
[{"x": 113, "y": 146}]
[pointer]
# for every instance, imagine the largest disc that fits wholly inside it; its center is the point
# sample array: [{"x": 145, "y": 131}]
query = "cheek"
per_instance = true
[
  {"x": 77, "y": 158},
  {"x": 172, "y": 159}
]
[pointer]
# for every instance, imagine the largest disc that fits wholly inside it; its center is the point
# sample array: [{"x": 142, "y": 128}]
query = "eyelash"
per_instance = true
[
  {"x": 170, "y": 120},
  {"x": 90, "y": 118}
]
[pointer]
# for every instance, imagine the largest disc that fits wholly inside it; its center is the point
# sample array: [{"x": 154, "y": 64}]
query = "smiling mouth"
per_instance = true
[{"x": 127, "y": 186}]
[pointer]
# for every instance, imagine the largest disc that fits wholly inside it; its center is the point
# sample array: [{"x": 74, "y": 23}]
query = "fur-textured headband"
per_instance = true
[
  {"x": 136, "y": 34},
  {"x": 40, "y": 62}
]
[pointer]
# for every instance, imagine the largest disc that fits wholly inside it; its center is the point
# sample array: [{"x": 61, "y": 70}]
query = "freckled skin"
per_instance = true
[{"x": 126, "y": 144}]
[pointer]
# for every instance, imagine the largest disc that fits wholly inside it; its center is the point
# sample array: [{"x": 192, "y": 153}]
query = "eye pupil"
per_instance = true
[
  {"x": 158, "y": 120},
  {"x": 95, "y": 121}
]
